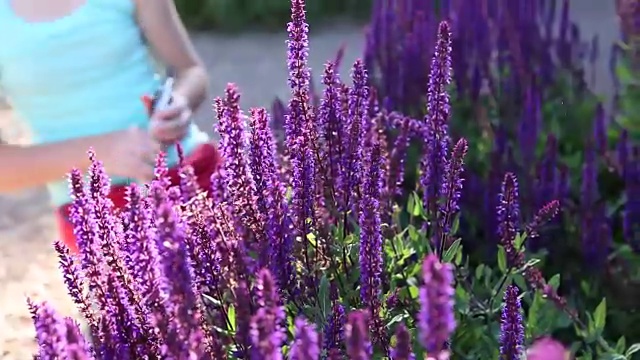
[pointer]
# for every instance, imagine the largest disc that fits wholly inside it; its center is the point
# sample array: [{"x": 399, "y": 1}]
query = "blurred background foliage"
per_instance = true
[{"x": 241, "y": 15}]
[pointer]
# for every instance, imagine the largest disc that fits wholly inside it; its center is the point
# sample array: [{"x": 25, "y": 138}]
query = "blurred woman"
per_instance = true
[{"x": 74, "y": 72}]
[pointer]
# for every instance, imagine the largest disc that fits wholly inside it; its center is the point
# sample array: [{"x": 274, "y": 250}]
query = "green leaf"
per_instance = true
[
  {"x": 632, "y": 350},
  {"x": 502, "y": 259},
  {"x": 621, "y": 345},
  {"x": 519, "y": 240},
  {"x": 554, "y": 281},
  {"x": 324, "y": 297},
  {"x": 231, "y": 314},
  {"x": 414, "y": 205},
  {"x": 479, "y": 271},
  {"x": 452, "y": 251},
  {"x": 600, "y": 316}
]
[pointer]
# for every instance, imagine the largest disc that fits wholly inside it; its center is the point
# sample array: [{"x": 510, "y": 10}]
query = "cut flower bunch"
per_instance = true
[{"x": 303, "y": 254}]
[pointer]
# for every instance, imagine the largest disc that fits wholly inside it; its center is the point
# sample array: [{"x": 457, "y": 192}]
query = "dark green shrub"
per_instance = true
[{"x": 236, "y": 15}]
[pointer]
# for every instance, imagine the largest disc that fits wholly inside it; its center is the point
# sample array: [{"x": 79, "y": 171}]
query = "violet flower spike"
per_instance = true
[
  {"x": 512, "y": 329},
  {"x": 435, "y": 132},
  {"x": 452, "y": 188},
  {"x": 436, "y": 320},
  {"x": 402, "y": 350},
  {"x": 305, "y": 346},
  {"x": 509, "y": 217},
  {"x": 240, "y": 185},
  {"x": 357, "y": 336},
  {"x": 267, "y": 332}
]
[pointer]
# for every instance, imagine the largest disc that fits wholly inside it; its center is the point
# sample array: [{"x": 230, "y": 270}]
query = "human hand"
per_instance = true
[
  {"x": 130, "y": 153},
  {"x": 171, "y": 124}
]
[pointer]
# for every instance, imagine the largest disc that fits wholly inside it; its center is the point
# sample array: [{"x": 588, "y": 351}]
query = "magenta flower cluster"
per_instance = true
[{"x": 253, "y": 267}]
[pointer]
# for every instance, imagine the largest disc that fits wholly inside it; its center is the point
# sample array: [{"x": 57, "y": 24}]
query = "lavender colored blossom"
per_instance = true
[
  {"x": 240, "y": 184},
  {"x": 267, "y": 332},
  {"x": 509, "y": 217},
  {"x": 305, "y": 346},
  {"x": 370, "y": 229},
  {"x": 357, "y": 123},
  {"x": 452, "y": 188},
  {"x": 48, "y": 333},
  {"x": 357, "y": 336},
  {"x": 512, "y": 328},
  {"x": 75, "y": 283},
  {"x": 270, "y": 194},
  {"x": 334, "y": 331},
  {"x": 330, "y": 120},
  {"x": 76, "y": 346},
  {"x": 436, "y": 133},
  {"x": 402, "y": 350},
  {"x": 436, "y": 321}
]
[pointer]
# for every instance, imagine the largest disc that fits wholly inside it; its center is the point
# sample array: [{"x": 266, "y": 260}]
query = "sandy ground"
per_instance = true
[{"x": 256, "y": 62}]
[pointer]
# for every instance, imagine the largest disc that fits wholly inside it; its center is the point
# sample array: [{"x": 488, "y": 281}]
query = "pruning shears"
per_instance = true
[{"x": 161, "y": 98}]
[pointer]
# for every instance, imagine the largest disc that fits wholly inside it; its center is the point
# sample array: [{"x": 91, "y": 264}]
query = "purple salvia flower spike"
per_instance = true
[
  {"x": 436, "y": 321},
  {"x": 452, "y": 189},
  {"x": 371, "y": 261},
  {"x": 75, "y": 283},
  {"x": 305, "y": 345},
  {"x": 402, "y": 350},
  {"x": 233, "y": 145},
  {"x": 436, "y": 133},
  {"x": 512, "y": 329},
  {"x": 267, "y": 332},
  {"x": 509, "y": 216},
  {"x": 270, "y": 193},
  {"x": 357, "y": 336},
  {"x": 76, "y": 346},
  {"x": 181, "y": 303},
  {"x": 49, "y": 332}
]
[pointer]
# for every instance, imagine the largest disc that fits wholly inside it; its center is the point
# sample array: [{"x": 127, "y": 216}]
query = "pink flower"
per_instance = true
[{"x": 547, "y": 349}]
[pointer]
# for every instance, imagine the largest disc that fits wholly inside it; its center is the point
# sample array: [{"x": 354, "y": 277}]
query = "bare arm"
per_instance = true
[
  {"x": 167, "y": 36},
  {"x": 29, "y": 166}
]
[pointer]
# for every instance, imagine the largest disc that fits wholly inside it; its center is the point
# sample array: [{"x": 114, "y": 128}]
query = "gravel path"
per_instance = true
[{"x": 257, "y": 63}]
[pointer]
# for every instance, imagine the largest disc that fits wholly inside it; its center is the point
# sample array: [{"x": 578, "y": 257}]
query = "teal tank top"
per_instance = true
[{"x": 80, "y": 75}]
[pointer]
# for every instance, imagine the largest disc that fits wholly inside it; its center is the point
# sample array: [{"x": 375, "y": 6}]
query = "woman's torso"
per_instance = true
[{"x": 79, "y": 75}]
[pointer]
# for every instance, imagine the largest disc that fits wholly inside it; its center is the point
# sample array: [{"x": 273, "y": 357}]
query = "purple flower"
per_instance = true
[
  {"x": 331, "y": 118},
  {"x": 436, "y": 133},
  {"x": 76, "y": 346},
  {"x": 357, "y": 122},
  {"x": 305, "y": 346},
  {"x": 49, "y": 332},
  {"x": 334, "y": 331},
  {"x": 595, "y": 242},
  {"x": 402, "y": 350},
  {"x": 243, "y": 317},
  {"x": 183, "y": 334},
  {"x": 398, "y": 158},
  {"x": 357, "y": 336},
  {"x": 233, "y": 144},
  {"x": 370, "y": 228},
  {"x": 267, "y": 332},
  {"x": 436, "y": 321},
  {"x": 544, "y": 215},
  {"x": 509, "y": 217},
  {"x": 301, "y": 134},
  {"x": 75, "y": 283},
  {"x": 512, "y": 329},
  {"x": 269, "y": 190},
  {"x": 452, "y": 188}
]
